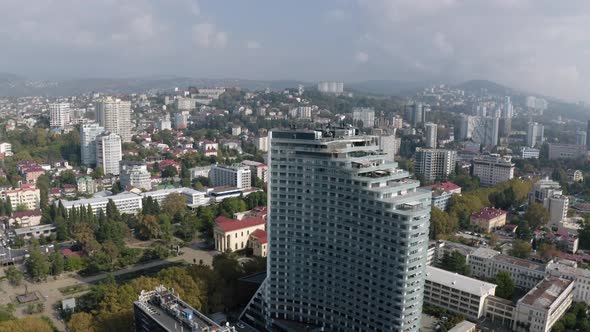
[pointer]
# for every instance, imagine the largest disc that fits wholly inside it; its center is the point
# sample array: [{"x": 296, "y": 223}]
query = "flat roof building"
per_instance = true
[
  {"x": 163, "y": 310},
  {"x": 456, "y": 292},
  {"x": 493, "y": 169},
  {"x": 543, "y": 305}
]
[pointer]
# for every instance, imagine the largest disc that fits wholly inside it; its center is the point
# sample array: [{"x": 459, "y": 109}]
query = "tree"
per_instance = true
[
  {"x": 57, "y": 263},
  {"x": 521, "y": 249},
  {"x": 455, "y": 262},
  {"x": 505, "y": 284},
  {"x": 81, "y": 322},
  {"x": 584, "y": 235},
  {"x": 148, "y": 227},
  {"x": 441, "y": 223},
  {"x": 169, "y": 172},
  {"x": 98, "y": 173},
  {"x": 37, "y": 265},
  {"x": 174, "y": 203},
  {"x": 67, "y": 177},
  {"x": 14, "y": 275},
  {"x": 537, "y": 216},
  {"x": 548, "y": 251},
  {"x": 74, "y": 263}
]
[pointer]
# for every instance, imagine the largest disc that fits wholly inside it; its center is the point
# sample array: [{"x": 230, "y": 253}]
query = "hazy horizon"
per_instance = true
[{"x": 537, "y": 46}]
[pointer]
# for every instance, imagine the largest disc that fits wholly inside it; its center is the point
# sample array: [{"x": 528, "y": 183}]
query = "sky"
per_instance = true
[{"x": 541, "y": 46}]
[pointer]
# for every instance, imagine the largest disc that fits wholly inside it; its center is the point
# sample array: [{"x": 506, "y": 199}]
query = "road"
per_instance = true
[{"x": 49, "y": 290}]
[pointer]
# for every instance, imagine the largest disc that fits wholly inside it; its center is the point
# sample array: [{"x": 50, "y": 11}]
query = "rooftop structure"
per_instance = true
[{"x": 162, "y": 310}]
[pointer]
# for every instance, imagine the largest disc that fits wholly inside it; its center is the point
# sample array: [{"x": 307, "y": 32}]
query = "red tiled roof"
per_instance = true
[
  {"x": 260, "y": 235},
  {"x": 488, "y": 213},
  {"x": 20, "y": 214},
  {"x": 446, "y": 186},
  {"x": 228, "y": 224}
]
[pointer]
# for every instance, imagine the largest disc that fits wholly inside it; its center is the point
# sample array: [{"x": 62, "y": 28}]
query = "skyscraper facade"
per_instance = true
[
  {"x": 535, "y": 134},
  {"x": 108, "y": 152},
  {"x": 88, "y": 134},
  {"x": 364, "y": 116},
  {"x": 348, "y": 234},
  {"x": 115, "y": 116},
  {"x": 588, "y": 136},
  {"x": 59, "y": 115},
  {"x": 431, "y": 130},
  {"x": 415, "y": 114},
  {"x": 435, "y": 164}
]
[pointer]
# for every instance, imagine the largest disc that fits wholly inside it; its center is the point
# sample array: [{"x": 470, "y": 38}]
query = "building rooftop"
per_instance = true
[
  {"x": 485, "y": 253},
  {"x": 228, "y": 224},
  {"x": 95, "y": 200},
  {"x": 488, "y": 213},
  {"x": 40, "y": 228},
  {"x": 261, "y": 235},
  {"x": 445, "y": 186},
  {"x": 464, "y": 326},
  {"x": 22, "y": 214},
  {"x": 165, "y": 307},
  {"x": 458, "y": 281},
  {"x": 520, "y": 262},
  {"x": 545, "y": 293}
]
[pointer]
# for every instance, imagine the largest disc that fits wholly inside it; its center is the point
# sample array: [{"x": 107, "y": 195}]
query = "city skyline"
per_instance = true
[{"x": 536, "y": 46}]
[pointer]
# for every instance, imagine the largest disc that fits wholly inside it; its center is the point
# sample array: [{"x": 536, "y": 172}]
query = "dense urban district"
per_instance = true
[{"x": 315, "y": 208}]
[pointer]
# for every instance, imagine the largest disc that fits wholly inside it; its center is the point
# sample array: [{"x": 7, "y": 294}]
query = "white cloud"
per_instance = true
[
  {"x": 253, "y": 44},
  {"x": 362, "y": 57},
  {"x": 206, "y": 35}
]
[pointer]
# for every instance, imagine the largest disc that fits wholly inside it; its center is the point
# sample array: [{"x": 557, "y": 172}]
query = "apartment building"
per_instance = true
[
  {"x": 194, "y": 198},
  {"x": 27, "y": 196},
  {"x": 232, "y": 176},
  {"x": 543, "y": 305},
  {"x": 88, "y": 134},
  {"x": 567, "y": 151},
  {"x": 125, "y": 202},
  {"x": 486, "y": 263},
  {"x": 434, "y": 164},
  {"x": 258, "y": 169},
  {"x": 580, "y": 276},
  {"x": 135, "y": 174},
  {"x": 457, "y": 293},
  {"x": 109, "y": 152},
  {"x": 348, "y": 236},
  {"x": 488, "y": 219},
  {"x": 115, "y": 116},
  {"x": 59, "y": 115},
  {"x": 492, "y": 169}
]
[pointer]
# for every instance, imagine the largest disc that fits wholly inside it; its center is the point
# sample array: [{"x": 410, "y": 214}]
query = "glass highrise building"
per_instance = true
[{"x": 348, "y": 237}]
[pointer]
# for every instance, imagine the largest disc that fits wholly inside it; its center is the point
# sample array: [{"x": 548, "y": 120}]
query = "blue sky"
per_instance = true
[{"x": 536, "y": 45}]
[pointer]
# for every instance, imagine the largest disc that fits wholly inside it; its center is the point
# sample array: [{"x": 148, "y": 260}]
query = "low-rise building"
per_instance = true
[
  {"x": 442, "y": 194},
  {"x": 530, "y": 153},
  {"x": 575, "y": 175},
  {"x": 200, "y": 172},
  {"x": 34, "y": 232},
  {"x": 125, "y": 202},
  {"x": 27, "y": 197},
  {"x": 567, "y": 151},
  {"x": 194, "y": 198},
  {"x": 456, "y": 293},
  {"x": 570, "y": 270},
  {"x": 231, "y": 234},
  {"x": 486, "y": 263},
  {"x": 257, "y": 169},
  {"x": 25, "y": 218},
  {"x": 543, "y": 305},
  {"x": 488, "y": 219},
  {"x": 136, "y": 175},
  {"x": 88, "y": 185},
  {"x": 259, "y": 243}
]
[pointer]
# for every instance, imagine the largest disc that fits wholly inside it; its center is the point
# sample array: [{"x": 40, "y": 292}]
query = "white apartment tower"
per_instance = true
[
  {"x": 364, "y": 115},
  {"x": 108, "y": 152},
  {"x": 347, "y": 235},
  {"x": 59, "y": 115},
  {"x": 435, "y": 164},
  {"x": 535, "y": 134},
  {"x": 88, "y": 134},
  {"x": 493, "y": 169},
  {"x": 431, "y": 134},
  {"x": 115, "y": 116},
  {"x": 233, "y": 176}
]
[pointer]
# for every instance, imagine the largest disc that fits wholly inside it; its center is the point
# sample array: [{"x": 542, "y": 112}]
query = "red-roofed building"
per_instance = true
[
  {"x": 25, "y": 218},
  {"x": 167, "y": 163},
  {"x": 488, "y": 219},
  {"x": 259, "y": 243},
  {"x": 232, "y": 234},
  {"x": 442, "y": 194}
]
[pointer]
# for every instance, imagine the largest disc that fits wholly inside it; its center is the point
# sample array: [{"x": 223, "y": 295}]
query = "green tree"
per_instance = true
[
  {"x": 67, "y": 177},
  {"x": 148, "y": 227},
  {"x": 98, "y": 173},
  {"x": 521, "y": 249},
  {"x": 14, "y": 275},
  {"x": 537, "y": 216},
  {"x": 169, "y": 172},
  {"x": 174, "y": 203},
  {"x": 74, "y": 263},
  {"x": 57, "y": 263},
  {"x": 81, "y": 322},
  {"x": 441, "y": 223},
  {"x": 505, "y": 284},
  {"x": 37, "y": 265},
  {"x": 455, "y": 262}
]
